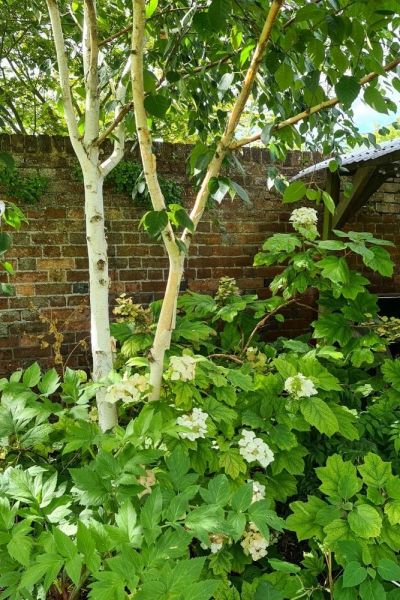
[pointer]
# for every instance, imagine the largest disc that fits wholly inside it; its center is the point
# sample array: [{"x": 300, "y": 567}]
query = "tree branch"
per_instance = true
[
  {"x": 127, "y": 29},
  {"x": 311, "y": 111},
  {"x": 143, "y": 132},
  {"x": 63, "y": 70},
  {"x": 90, "y": 61},
  {"x": 120, "y": 112},
  {"x": 226, "y": 140}
]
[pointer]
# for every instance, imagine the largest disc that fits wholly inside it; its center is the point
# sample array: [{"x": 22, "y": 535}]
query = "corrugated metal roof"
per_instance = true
[{"x": 355, "y": 157}]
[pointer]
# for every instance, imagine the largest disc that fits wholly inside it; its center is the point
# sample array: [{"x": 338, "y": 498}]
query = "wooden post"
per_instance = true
[{"x": 333, "y": 189}]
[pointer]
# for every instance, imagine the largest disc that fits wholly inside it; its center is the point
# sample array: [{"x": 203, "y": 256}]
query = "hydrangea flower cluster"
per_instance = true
[
  {"x": 183, "y": 368},
  {"x": 216, "y": 543},
  {"x": 253, "y": 449},
  {"x": 2, "y": 208},
  {"x": 254, "y": 543},
  {"x": 196, "y": 422},
  {"x": 129, "y": 390},
  {"x": 304, "y": 220},
  {"x": 257, "y": 358},
  {"x": 258, "y": 491},
  {"x": 300, "y": 386}
]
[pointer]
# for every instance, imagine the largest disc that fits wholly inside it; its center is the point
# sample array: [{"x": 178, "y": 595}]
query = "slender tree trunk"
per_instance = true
[
  {"x": 98, "y": 284},
  {"x": 165, "y": 325}
]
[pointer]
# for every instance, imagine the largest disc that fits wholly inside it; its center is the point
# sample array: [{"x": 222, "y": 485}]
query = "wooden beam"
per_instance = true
[
  {"x": 366, "y": 181},
  {"x": 333, "y": 189}
]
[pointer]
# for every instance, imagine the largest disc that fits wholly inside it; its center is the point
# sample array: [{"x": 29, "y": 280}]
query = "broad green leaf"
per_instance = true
[
  {"x": 240, "y": 191},
  {"x": 157, "y": 105},
  {"x": 126, "y": 521},
  {"x": 283, "y": 566},
  {"x": 334, "y": 328},
  {"x": 372, "y": 590},
  {"x": 380, "y": 262},
  {"x": 284, "y": 76},
  {"x": 73, "y": 567},
  {"x": 392, "y": 510},
  {"x": 261, "y": 513},
  {"x": 303, "y": 520},
  {"x": 151, "y": 7},
  {"x": 232, "y": 463},
  {"x": 31, "y": 376},
  {"x": 365, "y": 521},
  {"x": 49, "y": 382},
  {"x": 265, "y": 591},
  {"x": 389, "y": 570},
  {"x": 391, "y": 373},
  {"x": 218, "y": 491},
  {"x": 154, "y": 222},
  {"x": 317, "y": 413},
  {"x": 5, "y": 242},
  {"x": 347, "y": 89},
  {"x": 218, "y": 13},
  {"x": 339, "y": 479},
  {"x": 20, "y": 547},
  {"x": 45, "y": 569},
  {"x": 374, "y": 471},
  {"x": 334, "y": 268},
  {"x": 294, "y": 192},
  {"x": 208, "y": 518},
  {"x": 374, "y": 98},
  {"x": 108, "y": 586},
  {"x": 354, "y": 574}
]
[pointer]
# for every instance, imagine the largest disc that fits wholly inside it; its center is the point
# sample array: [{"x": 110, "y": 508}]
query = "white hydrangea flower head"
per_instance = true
[
  {"x": 253, "y": 449},
  {"x": 254, "y": 543},
  {"x": 183, "y": 368},
  {"x": 215, "y": 547},
  {"x": 129, "y": 390},
  {"x": 258, "y": 491},
  {"x": 304, "y": 218},
  {"x": 2, "y": 208},
  {"x": 195, "y": 422},
  {"x": 300, "y": 386}
]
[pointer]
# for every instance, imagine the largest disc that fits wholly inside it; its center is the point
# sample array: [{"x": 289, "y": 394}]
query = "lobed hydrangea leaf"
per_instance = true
[
  {"x": 374, "y": 471},
  {"x": 317, "y": 413},
  {"x": 339, "y": 479},
  {"x": 303, "y": 518}
]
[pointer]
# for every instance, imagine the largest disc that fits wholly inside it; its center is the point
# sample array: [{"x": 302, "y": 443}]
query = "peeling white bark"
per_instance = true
[
  {"x": 98, "y": 286},
  {"x": 87, "y": 152},
  {"x": 166, "y": 322}
]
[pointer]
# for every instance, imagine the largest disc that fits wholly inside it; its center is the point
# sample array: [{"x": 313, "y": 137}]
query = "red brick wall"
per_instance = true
[{"x": 49, "y": 254}]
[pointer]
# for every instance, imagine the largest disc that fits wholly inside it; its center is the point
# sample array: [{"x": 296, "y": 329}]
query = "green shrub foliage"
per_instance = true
[{"x": 268, "y": 469}]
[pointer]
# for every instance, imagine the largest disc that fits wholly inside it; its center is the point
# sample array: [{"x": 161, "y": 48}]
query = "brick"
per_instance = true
[
  {"x": 50, "y": 253},
  {"x": 55, "y": 263}
]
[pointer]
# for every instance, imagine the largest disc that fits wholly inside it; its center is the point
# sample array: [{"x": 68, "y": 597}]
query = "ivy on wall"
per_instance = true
[
  {"x": 127, "y": 178},
  {"x": 25, "y": 188}
]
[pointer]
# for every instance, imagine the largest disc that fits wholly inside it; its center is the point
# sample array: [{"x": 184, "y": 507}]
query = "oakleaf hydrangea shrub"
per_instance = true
[{"x": 265, "y": 470}]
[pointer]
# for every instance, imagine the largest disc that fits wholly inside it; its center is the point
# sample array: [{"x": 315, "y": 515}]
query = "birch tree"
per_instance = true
[
  {"x": 94, "y": 170},
  {"x": 347, "y": 89},
  {"x": 289, "y": 69}
]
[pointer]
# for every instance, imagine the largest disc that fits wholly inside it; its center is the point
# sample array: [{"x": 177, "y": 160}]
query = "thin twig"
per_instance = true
[
  {"x": 264, "y": 320},
  {"x": 231, "y": 357}
]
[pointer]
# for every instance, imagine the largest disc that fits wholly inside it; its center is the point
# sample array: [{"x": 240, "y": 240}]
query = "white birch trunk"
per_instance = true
[
  {"x": 165, "y": 325},
  {"x": 98, "y": 285}
]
